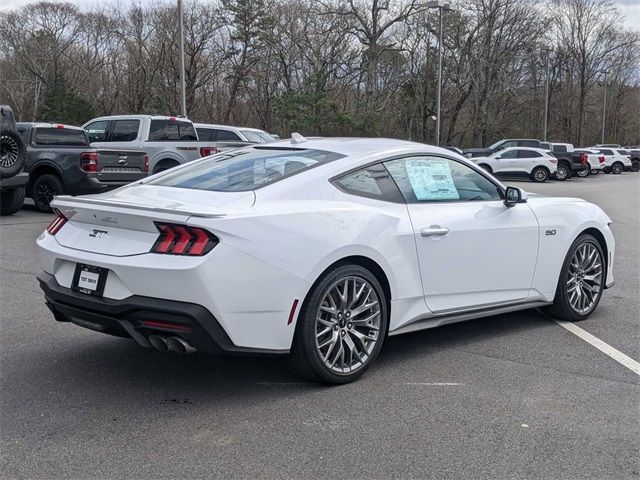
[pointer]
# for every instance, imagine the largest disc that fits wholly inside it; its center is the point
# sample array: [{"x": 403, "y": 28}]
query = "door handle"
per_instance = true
[{"x": 434, "y": 231}]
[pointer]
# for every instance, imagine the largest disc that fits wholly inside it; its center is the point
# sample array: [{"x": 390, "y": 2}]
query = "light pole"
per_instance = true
[
  {"x": 547, "y": 50},
  {"x": 183, "y": 95},
  {"x": 441, "y": 5},
  {"x": 604, "y": 104}
]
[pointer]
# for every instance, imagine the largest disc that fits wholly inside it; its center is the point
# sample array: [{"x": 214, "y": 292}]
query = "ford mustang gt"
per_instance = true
[{"x": 320, "y": 249}]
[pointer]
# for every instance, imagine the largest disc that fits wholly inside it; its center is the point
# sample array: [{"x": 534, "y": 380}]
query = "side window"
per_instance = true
[
  {"x": 560, "y": 148},
  {"x": 371, "y": 182},
  {"x": 606, "y": 152},
  {"x": 529, "y": 143},
  {"x": 528, "y": 154},
  {"x": 435, "y": 179},
  {"x": 509, "y": 154},
  {"x": 227, "y": 136},
  {"x": 96, "y": 131},
  {"x": 124, "y": 130},
  {"x": 508, "y": 145},
  {"x": 205, "y": 134}
]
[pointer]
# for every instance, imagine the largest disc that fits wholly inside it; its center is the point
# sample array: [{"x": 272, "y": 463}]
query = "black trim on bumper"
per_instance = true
[{"x": 125, "y": 318}]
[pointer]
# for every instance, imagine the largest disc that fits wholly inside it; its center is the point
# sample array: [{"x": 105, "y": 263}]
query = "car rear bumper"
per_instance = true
[
  {"x": 138, "y": 317},
  {"x": 92, "y": 184}
]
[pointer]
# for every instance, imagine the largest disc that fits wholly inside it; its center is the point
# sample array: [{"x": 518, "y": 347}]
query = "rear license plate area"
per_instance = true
[{"x": 89, "y": 279}]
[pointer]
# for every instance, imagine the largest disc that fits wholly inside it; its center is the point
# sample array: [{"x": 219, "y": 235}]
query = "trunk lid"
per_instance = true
[{"x": 122, "y": 222}]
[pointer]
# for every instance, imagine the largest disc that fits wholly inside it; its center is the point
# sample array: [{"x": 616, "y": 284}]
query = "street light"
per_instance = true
[
  {"x": 183, "y": 95},
  {"x": 547, "y": 51},
  {"x": 441, "y": 5},
  {"x": 604, "y": 103}
]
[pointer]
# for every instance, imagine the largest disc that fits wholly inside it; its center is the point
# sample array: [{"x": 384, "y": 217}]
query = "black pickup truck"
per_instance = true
[
  {"x": 61, "y": 161},
  {"x": 569, "y": 163}
]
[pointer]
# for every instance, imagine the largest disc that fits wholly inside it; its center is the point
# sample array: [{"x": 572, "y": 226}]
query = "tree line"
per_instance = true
[{"x": 333, "y": 67}]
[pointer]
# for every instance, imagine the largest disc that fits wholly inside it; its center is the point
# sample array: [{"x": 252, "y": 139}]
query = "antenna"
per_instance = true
[{"x": 296, "y": 138}]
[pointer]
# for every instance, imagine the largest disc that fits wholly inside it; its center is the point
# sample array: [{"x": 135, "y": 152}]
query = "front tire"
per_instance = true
[
  {"x": 562, "y": 173},
  {"x": 581, "y": 281},
  {"x": 635, "y": 166},
  {"x": 44, "y": 189},
  {"x": 539, "y": 175},
  {"x": 341, "y": 327}
]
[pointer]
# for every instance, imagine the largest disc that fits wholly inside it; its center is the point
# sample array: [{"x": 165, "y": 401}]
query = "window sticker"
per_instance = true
[{"x": 431, "y": 179}]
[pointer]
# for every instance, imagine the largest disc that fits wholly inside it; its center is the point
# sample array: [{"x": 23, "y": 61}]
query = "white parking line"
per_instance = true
[
  {"x": 605, "y": 348},
  {"x": 438, "y": 384}
]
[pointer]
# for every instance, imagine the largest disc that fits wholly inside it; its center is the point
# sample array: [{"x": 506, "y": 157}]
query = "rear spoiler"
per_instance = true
[{"x": 67, "y": 201}]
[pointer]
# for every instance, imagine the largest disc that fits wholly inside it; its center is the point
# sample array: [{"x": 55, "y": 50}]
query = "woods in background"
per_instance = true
[{"x": 332, "y": 67}]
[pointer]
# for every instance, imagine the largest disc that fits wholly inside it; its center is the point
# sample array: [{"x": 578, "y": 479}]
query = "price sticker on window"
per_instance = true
[{"x": 431, "y": 179}]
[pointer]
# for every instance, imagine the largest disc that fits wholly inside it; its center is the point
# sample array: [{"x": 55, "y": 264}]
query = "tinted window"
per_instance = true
[
  {"x": 623, "y": 152},
  {"x": 124, "y": 130},
  {"x": 227, "y": 136},
  {"x": 243, "y": 170},
  {"x": 61, "y": 136},
  {"x": 171, "y": 131},
  {"x": 606, "y": 152},
  {"x": 205, "y": 134},
  {"x": 434, "y": 179},
  {"x": 528, "y": 154},
  {"x": 529, "y": 143},
  {"x": 372, "y": 182},
  {"x": 96, "y": 131},
  {"x": 560, "y": 148}
]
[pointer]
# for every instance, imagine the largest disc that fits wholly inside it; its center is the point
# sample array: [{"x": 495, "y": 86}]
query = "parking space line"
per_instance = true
[
  {"x": 605, "y": 348},
  {"x": 438, "y": 384}
]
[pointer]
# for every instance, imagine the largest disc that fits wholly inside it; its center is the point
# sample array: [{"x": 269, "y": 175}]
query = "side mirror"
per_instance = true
[{"x": 514, "y": 195}]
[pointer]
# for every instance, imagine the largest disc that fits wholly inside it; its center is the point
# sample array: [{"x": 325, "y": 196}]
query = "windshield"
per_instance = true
[
  {"x": 243, "y": 170},
  {"x": 257, "y": 136}
]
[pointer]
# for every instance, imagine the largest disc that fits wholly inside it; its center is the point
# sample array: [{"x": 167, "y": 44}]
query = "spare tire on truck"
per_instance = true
[{"x": 13, "y": 151}]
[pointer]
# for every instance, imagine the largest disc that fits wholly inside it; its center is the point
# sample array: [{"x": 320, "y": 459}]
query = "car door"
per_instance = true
[
  {"x": 505, "y": 161},
  {"x": 473, "y": 251}
]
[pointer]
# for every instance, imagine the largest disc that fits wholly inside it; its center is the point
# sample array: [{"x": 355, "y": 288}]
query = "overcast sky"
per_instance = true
[{"x": 629, "y": 8}]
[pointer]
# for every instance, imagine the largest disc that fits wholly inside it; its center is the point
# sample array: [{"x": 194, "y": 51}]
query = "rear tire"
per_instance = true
[
  {"x": 581, "y": 281},
  {"x": 11, "y": 200},
  {"x": 584, "y": 172},
  {"x": 44, "y": 189},
  {"x": 539, "y": 175},
  {"x": 13, "y": 152},
  {"x": 617, "y": 168},
  {"x": 594, "y": 171},
  {"x": 340, "y": 332},
  {"x": 607, "y": 170}
]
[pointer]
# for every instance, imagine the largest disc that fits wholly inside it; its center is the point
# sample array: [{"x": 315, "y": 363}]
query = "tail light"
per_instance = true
[
  {"x": 206, "y": 151},
  {"x": 584, "y": 158},
  {"x": 145, "y": 168},
  {"x": 177, "y": 239},
  {"x": 57, "y": 223},
  {"x": 601, "y": 159},
  {"x": 89, "y": 161}
]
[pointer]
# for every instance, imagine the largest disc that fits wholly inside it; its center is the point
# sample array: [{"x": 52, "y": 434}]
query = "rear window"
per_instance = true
[
  {"x": 257, "y": 137},
  {"x": 61, "y": 136},
  {"x": 205, "y": 134},
  {"x": 171, "y": 131},
  {"x": 560, "y": 148},
  {"x": 243, "y": 170}
]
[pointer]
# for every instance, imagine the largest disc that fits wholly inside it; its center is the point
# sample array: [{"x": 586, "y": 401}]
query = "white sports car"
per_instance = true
[{"x": 318, "y": 249}]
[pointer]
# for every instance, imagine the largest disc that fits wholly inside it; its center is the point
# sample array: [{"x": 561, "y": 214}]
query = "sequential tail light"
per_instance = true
[
  {"x": 175, "y": 239},
  {"x": 57, "y": 223}
]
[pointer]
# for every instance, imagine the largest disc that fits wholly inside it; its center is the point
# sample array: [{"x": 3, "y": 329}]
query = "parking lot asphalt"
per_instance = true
[{"x": 510, "y": 396}]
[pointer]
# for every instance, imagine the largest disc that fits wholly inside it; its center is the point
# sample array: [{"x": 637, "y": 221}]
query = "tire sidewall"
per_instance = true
[
  {"x": 561, "y": 291},
  {"x": 566, "y": 171},
  {"x": 13, "y": 170},
  {"x": 306, "y": 327},
  {"x": 534, "y": 175},
  {"x": 52, "y": 180},
  {"x": 617, "y": 168}
]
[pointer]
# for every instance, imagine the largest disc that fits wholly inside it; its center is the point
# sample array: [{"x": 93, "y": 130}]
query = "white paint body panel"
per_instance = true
[
  {"x": 500, "y": 164},
  {"x": 276, "y": 242}
]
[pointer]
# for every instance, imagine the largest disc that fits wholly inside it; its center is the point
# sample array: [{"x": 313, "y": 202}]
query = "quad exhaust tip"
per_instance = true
[{"x": 171, "y": 344}]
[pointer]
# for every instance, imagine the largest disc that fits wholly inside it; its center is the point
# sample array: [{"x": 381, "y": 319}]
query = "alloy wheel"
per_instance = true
[
  {"x": 348, "y": 324},
  {"x": 584, "y": 278},
  {"x": 8, "y": 151},
  {"x": 45, "y": 193},
  {"x": 562, "y": 173},
  {"x": 617, "y": 169},
  {"x": 540, "y": 175}
]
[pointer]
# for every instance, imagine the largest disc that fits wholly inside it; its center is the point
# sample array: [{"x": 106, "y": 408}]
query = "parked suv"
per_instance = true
[
  {"x": 60, "y": 161},
  {"x": 616, "y": 160},
  {"x": 501, "y": 145},
  {"x": 535, "y": 163},
  {"x": 227, "y": 133},
  {"x": 12, "y": 157},
  {"x": 169, "y": 141}
]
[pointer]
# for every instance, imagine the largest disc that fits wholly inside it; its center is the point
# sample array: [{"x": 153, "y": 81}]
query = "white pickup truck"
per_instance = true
[{"x": 168, "y": 141}]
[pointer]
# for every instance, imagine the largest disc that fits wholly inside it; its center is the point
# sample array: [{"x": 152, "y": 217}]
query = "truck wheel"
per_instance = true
[
  {"x": 163, "y": 165},
  {"x": 539, "y": 175},
  {"x": 563, "y": 172},
  {"x": 617, "y": 168},
  {"x": 44, "y": 189},
  {"x": 12, "y": 152},
  {"x": 11, "y": 200},
  {"x": 584, "y": 172}
]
